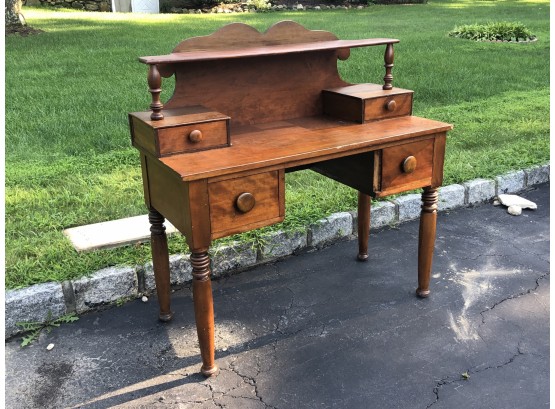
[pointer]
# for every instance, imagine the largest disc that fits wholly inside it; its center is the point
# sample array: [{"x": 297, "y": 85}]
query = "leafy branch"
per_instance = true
[{"x": 35, "y": 327}]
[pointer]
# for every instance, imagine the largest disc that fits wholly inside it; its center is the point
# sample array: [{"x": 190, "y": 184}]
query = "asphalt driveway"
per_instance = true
[{"x": 321, "y": 330}]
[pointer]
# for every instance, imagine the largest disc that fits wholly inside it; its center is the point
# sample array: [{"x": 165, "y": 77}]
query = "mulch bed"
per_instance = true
[{"x": 23, "y": 31}]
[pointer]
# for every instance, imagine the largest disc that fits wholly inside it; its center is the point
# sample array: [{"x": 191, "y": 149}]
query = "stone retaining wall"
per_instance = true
[
  {"x": 89, "y": 5},
  {"x": 104, "y": 5}
]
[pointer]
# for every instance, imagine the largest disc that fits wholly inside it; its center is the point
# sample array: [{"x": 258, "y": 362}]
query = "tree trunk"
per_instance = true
[{"x": 14, "y": 18}]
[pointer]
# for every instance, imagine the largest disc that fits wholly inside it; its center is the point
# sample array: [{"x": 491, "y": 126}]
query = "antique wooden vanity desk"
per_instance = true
[{"x": 247, "y": 108}]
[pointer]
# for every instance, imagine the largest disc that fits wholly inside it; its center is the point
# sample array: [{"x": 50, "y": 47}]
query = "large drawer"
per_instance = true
[
  {"x": 245, "y": 203},
  {"x": 404, "y": 167}
]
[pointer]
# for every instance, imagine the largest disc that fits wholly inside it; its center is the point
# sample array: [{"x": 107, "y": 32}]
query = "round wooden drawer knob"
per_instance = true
[
  {"x": 195, "y": 136},
  {"x": 391, "y": 106},
  {"x": 409, "y": 164},
  {"x": 245, "y": 202}
]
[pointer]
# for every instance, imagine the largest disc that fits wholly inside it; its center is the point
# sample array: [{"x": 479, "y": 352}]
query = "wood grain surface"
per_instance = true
[
  {"x": 256, "y": 90},
  {"x": 295, "y": 145}
]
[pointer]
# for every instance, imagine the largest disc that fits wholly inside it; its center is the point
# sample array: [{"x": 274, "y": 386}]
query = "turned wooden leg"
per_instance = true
[
  {"x": 426, "y": 240},
  {"x": 204, "y": 310},
  {"x": 363, "y": 225},
  {"x": 160, "y": 262}
]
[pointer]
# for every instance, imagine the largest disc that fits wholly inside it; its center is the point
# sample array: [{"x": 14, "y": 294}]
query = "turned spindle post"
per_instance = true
[
  {"x": 426, "y": 240},
  {"x": 363, "y": 225},
  {"x": 388, "y": 58},
  {"x": 160, "y": 263},
  {"x": 204, "y": 310},
  {"x": 155, "y": 88}
]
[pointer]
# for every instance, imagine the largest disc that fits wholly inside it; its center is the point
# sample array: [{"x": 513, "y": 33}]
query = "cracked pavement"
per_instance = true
[{"x": 321, "y": 330}]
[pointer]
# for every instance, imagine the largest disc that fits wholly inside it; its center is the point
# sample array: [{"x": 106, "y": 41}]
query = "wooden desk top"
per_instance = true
[{"x": 297, "y": 142}]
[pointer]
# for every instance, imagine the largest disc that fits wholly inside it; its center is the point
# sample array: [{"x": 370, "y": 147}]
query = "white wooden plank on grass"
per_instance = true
[{"x": 114, "y": 233}]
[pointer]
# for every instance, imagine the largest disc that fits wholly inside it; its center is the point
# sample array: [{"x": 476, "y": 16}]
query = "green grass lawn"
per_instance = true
[{"x": 69, "y": 89}]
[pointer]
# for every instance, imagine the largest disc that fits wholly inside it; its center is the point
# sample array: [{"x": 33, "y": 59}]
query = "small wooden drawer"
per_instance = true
[
  {"x": 403, "y": 167},
  {"x": 182, "y": 130},
  {"x": 367, "y": 102},
  {"x": 246, "y": 203}
]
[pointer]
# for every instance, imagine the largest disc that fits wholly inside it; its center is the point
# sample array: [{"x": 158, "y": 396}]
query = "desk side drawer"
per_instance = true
[
  {"x": 245, "y": 203},
  {"x": 404, "y": 167}
]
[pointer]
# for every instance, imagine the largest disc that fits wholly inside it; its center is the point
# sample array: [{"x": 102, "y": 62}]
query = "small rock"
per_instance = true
[
  {"x": 510, "y": 200},
  {"x": 224, "y": 349},
  {"x": 496, "y": 203},
  {"x": 50, "y": 347},
  {"x": 514, "y": 210},
  {"x": 300, "y": 7},
  {"x": 144, "y": 299}
]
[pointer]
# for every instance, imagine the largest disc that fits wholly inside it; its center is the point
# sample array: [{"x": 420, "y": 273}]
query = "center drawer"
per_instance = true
[{"x": 245, "y": 203}]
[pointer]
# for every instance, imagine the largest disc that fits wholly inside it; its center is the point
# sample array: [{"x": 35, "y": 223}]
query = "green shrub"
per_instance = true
[
  {"x": 501, "y": 31},
  {"x": 259, "y": 5}
]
